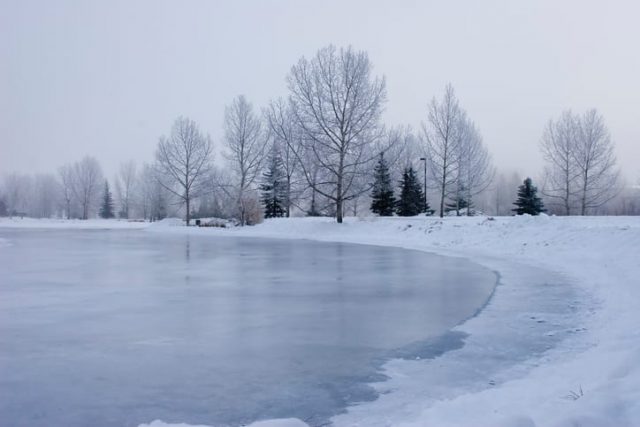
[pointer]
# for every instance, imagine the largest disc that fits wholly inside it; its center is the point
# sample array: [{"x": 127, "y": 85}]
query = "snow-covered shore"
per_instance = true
[{"x": 590, "y": 376}]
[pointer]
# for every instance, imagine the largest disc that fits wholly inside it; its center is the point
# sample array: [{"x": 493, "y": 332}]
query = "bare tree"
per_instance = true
[
  {"x": 87, "y": 182},
  {"x": 337, "y": 105},
  {"x": 505, "y": 189},
  {"x": 288, "y": 140},
  {"x": 595, "y": 162},
  {"x": 182, "y": 161},
  {"x": 558, "y": 146},
  {"x": 581, "y": 170},
  {"x": 125, "y": 181},
  {"x": 66, "y": 188},
  {"x": 442, "y": 134},
  {"x": 475, "y": 170},
  {"x": 151, "y": 197},
  {"x": 44, "y": 195},
  {"x": 17, "y": 188},
  {"x": 247, "y": 145}
]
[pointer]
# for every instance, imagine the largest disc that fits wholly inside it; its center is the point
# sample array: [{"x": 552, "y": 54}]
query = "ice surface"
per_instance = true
[{"x": 118, "y": 328}]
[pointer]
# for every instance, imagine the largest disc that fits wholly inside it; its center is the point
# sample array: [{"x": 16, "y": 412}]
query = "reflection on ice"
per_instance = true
[{"x": 117, "y": 328}]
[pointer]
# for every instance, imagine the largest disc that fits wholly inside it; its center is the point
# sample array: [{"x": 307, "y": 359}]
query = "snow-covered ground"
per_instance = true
[{"x": 590, "y": 376}]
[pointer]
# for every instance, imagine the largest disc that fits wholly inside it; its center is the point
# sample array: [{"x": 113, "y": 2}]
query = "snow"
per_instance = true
[{"x": 589, "y": 375}]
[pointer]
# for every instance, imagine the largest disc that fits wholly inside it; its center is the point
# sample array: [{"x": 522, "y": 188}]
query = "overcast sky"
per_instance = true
[{"x": 107, "y": 78}]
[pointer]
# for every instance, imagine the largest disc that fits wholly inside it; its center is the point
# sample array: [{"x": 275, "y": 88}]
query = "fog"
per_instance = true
[{"x": 108, "y": 78}]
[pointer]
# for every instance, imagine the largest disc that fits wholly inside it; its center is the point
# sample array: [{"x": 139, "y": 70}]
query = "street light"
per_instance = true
[{"x": 424, "y": 159}]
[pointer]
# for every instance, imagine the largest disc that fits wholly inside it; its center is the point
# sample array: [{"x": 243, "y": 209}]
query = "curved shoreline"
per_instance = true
[
  {"x": 598, "y": 256},
  {"x": 391, "y": 399}
]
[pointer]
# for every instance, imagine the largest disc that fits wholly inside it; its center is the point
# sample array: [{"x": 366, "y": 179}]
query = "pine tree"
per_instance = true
[
  {"x": 382, "y": 198},
  {"x": 106, "y": 210},
  {"x": 411, "y": 198},
  {"x": 273, "y": 187},
  {"x": 528, "y": 202}
]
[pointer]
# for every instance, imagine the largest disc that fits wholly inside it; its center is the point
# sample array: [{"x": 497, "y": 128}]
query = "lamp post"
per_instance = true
[{"x": 424, "y": 159}]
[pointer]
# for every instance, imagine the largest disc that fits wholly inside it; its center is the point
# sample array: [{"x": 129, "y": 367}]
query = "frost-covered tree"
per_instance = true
[
  {"x": 65, "y": 174},
  {"x": 411, "y": 201},
  {"x": 247, "y": 146},
  {"x": 106, "y": 208},
  {"x": 152, "y": 199},
  {"x": 558, "y": 146},
  {"x": 125, "y": 182},
  {"x": 443, "y": 135},
  {"x": 475, "y": 171},
  {"x": 581, "y": 168},
  {"x": 273, "y": 188},
  {"x": 44, "y": 196},
  {"x": 183, "y": 160},
  {"x": 288, "y": 138},
  {"x": 528, "y": 201},
  {"x": 86, "y": 179},
  {"x": 382, "y": 199},
  {"x": 598, "y": 177},
  {"x": 17, "y": 188},
  {"x": 337, "y": 105}
]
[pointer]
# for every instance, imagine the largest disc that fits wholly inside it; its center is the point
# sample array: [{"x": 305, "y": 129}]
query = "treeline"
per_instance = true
[{"x": 318, "y": 151}]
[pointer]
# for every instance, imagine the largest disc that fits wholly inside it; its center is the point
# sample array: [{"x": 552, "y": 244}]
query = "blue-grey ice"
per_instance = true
[{"x": 116, "y": 328}]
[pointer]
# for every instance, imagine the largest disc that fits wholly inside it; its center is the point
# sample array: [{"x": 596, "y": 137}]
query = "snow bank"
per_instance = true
[{"x": 590, "y": 377}]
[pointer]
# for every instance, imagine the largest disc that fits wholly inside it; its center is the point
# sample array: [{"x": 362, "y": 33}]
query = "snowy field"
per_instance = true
[{"x": 588, "y": 376}]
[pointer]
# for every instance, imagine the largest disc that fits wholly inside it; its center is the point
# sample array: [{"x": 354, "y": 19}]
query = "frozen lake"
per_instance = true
[{"x": 116, "y": 328}]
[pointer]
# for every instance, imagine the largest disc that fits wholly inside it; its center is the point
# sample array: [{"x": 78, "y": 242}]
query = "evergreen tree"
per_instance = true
[
  {"x": 273, "y": 187},
  {"x": 106, "y": 210},
  {"x": 382, "y": 198},
  {"x": 411, "y": 198},
  {"x": 528, "y": 201}
]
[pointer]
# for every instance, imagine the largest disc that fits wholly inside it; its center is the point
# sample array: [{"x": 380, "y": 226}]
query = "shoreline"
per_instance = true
[{"x": 596, "y": 256}]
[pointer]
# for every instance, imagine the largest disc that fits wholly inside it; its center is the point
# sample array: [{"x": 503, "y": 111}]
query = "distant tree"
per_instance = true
[
  {"x": 287, "y": 135},
  {"x": 3, "y": 207},
  {"x": 382, "y": 199},
  {"x": 442, "y": 133},
  {"x": 17, "y": 188},
  {"x": 505, "y": 190},
  {"x": 475, "y": 172},
  {"x": 411, "y": 200},
  {"x": 274, "y": 187},
  {"x": 44, "y": 196},
  {"x": 66, "y": 189},
  {"x": 125, "y": 182},
  {"x": 183, "y": 160},
  {"x": 87, "y": 175},
  {"x": 581, "y": 166},
  {"x": 595, "y": 159},
  {"x": 528, "y": 201},
  {"x": 461, "y": 203},
  {"x": 247, "y": 145},
  {"x": 106, "y": 209}
]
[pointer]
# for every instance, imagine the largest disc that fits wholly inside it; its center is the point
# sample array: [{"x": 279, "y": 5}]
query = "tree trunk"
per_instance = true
[
  {"x": 444, "y": 178},
  {"x": 288, "y": 212},
  {"x": 339, "y": 200},
  {"x": 188, "y": 208}
]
